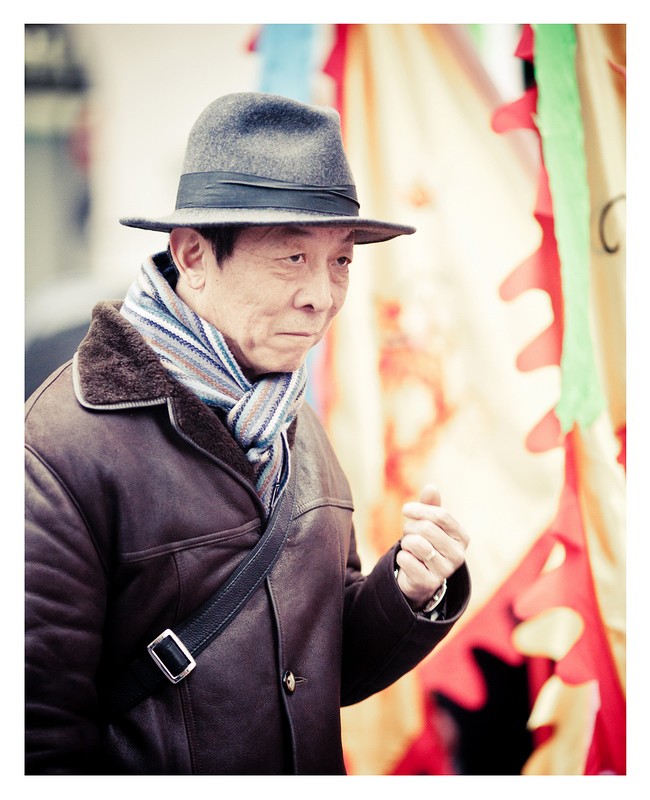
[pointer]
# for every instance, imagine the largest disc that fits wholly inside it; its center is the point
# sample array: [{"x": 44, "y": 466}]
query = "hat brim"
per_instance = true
[{"x": 368, "y": 231}]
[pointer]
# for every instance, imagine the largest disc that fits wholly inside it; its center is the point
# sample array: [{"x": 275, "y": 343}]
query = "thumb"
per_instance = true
[{"x": 430, "y": 495}]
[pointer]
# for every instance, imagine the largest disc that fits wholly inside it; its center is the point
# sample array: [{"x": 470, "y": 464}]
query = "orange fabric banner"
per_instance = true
[
  {"x": 424, "y": 382},
  {"x": 444, "y": 367}
]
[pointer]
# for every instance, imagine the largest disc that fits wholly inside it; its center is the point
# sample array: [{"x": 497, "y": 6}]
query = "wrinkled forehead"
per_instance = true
[{"x": 278, "y": 234}]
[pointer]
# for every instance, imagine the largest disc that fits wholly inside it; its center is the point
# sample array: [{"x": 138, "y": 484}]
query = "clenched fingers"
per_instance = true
[
  {"x": 432, "y": 547},
  {"x": 438, "y": 516},
  {"x": 417, "y": 581}
]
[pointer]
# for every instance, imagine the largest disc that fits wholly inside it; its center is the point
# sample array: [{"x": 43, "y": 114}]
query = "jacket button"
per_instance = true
[{"x": 289, "y": 682}]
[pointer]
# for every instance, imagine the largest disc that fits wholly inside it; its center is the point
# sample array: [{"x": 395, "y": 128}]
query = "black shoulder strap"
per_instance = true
[{"x": 171, "y": 655}]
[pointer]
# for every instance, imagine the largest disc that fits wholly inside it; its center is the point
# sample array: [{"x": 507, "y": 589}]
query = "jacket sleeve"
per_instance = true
[
  {"x": 382, "y": 637},
  {"x": 64, "y": 614}
]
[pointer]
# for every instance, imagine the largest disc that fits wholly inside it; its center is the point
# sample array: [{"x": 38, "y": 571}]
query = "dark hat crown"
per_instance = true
[
  {"x": 269, "y": 136},
  {"x": 263, "y": 159}
]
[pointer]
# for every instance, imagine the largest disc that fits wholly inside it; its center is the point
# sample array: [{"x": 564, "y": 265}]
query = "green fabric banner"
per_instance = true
[{"x": 559, "y": 120}]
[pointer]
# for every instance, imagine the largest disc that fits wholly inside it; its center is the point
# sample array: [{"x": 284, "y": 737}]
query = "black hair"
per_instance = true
[{"x": 222, "y": 239}]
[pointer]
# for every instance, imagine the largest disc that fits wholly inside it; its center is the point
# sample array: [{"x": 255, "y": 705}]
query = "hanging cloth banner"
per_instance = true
[
  {"x": 559, "y": 120},
  {"x": 287, "y": 54}
]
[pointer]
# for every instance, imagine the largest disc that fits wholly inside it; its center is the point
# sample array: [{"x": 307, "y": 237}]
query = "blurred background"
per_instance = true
[{"x": 485, "y": 353}]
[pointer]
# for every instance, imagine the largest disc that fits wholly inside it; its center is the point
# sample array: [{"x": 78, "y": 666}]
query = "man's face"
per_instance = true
[{"x": 276, "y": 295}]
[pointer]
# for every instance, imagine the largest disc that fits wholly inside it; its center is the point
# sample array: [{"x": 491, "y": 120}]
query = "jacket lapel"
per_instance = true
[{"x": 114, "y": 369}]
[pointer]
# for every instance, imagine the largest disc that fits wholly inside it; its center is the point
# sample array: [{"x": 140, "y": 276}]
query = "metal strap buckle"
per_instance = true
[{"x": 174, "y": 678}]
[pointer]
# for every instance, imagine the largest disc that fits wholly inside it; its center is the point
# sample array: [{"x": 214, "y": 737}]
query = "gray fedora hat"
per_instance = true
[{"x": 263, "y": 159}]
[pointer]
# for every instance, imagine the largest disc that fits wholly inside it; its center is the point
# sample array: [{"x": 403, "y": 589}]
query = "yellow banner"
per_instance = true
[{"x": 427, "y": 386}]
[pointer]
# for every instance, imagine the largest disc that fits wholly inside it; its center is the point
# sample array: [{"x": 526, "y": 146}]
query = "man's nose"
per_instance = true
[{"x": 315, "y": 289}]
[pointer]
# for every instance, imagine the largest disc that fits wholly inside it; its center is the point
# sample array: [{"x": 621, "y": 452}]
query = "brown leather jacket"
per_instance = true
[{"x": 139, "y": 505}]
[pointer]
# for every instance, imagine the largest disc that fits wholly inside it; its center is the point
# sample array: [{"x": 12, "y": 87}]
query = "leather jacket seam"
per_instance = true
[
  {"x": 195, "y": 543},
  {"x": 280, "y": 657},
  {"x": 187, "y": 710},
  {"x": 42, "y": 389},
  {"x": 179, "y": 584},
  {"x": 64, "y": 487},
  {"x": 250, "y": 488},
  {"x": 321, "y": 502}
]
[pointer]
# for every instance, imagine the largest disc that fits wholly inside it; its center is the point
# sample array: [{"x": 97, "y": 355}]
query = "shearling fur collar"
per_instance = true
[{"x": 115, "y": 369}]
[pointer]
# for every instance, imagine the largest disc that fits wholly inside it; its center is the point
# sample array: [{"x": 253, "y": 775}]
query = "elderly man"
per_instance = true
[{"x": 195, "y": 601}]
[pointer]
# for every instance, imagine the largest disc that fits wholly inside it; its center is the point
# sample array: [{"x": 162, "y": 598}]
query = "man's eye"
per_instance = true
[
  {"x": 299, "y": 258},
  {"x": 343, "y": 261}
]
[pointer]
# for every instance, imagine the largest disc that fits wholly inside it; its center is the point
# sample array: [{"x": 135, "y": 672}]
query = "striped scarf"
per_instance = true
[{"x": 258, "y": 414}]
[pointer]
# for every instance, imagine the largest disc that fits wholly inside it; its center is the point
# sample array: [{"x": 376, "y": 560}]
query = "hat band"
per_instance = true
[{"x": 236, "y": 190}]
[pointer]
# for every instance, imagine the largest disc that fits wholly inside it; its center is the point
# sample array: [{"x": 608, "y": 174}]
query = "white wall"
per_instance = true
[{"x": 148, "y": 85}]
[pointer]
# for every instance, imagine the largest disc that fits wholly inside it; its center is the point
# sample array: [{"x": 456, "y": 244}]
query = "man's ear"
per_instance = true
[{"x": 189, "y": 249}]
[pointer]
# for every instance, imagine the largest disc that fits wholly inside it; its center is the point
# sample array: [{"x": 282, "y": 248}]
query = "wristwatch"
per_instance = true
[{"x": 436, "y": 599}]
